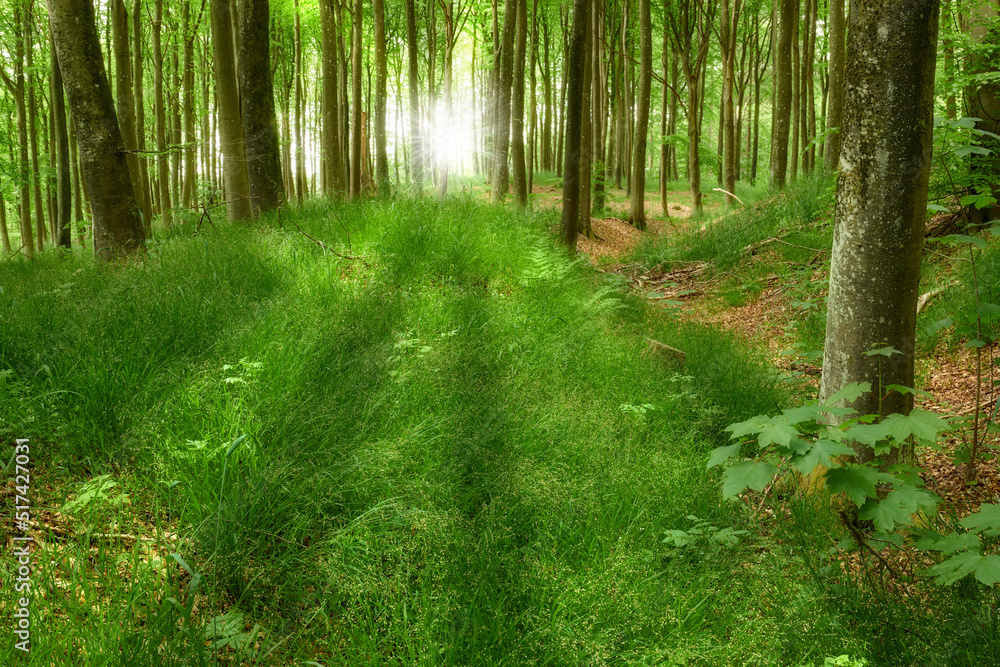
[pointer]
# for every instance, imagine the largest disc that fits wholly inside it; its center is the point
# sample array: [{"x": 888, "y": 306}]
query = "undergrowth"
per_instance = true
[{"x": 428, "y": 437}]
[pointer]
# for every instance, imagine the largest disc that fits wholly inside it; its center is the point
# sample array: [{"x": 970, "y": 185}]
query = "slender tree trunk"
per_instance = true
[
  {"x": 260, "y": 125},
  {"x": 142, "y": 189},
  {"x": 637, "y": 214},
  {"x": 381, "y": 97},
  {"x": 23, "y": 165},
  {"x": 416, "y": 145},
  {"x": 234, "y": 165},
  {"x": 727, "y": 39},
  {"x": 501, "y": 179},
  {"x": 162, "y": 162},
  {"x": 36, "y": 181},
  {"x": 123, "y": 89},
  {"x": 574, "y": 117},
  {"x": 356, "y": 101},
  {"x": 336, "y": 182},
  {"x": 587, "y": 132},
  {"x": 781, "y": 118},
  {"x": 64, "y": 190},
  {"x": 517, "y": 120},
  {"x": 118, "y": 229}
]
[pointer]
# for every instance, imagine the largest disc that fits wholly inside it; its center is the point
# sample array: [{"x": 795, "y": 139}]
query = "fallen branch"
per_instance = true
[
  {"x": 728, "y": 193},
  {"x": 328, "y": 249}
]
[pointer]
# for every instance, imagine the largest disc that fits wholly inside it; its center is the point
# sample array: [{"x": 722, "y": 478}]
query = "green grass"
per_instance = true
[{"x": 450, "y": 459}]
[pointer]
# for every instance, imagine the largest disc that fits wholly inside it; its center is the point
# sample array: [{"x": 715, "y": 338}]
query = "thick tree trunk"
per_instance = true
[
  {"x": 234, "y": 165},
  {"x": 260, "y": 125},
  {"x": 336, "y": 182},
  {"x": 637, "y": 212},
  {"x": 782, "y": 109},
  {"x": 881, "y": 203},
  {"x": 574, "y": 116},
  {"x": 118, "y": 228}
]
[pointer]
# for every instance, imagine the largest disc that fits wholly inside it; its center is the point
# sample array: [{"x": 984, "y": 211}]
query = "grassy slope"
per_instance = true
[{"x": 451, "y": 459}]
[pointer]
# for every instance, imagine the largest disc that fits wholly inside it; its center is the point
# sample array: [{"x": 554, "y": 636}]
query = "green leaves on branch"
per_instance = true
[{"x": 800, "y": 440}]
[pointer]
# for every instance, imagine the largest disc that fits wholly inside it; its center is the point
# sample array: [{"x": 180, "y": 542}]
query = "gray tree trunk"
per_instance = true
[
  {"x": 637, "y": 213},
  {"x": 782, "y": 112},
  {"x": 574, "y": 117},
  {"x": 260, "y": 125},
  {"x": 234, "y": 163},
  {"x": 881, "y": 202},
  {"x": 835, "y": 102},
  {"x": 118, "y": 229}
]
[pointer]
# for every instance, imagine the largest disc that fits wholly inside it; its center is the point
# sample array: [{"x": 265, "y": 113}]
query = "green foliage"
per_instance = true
[{"x": 960, "y": 170}]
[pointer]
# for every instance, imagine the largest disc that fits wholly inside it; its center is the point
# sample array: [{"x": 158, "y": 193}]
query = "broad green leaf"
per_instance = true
[
  {"x": 937, "y": 207},
  {"x": 720, "y": 454},
  {"x": 803, "y": 413},
  {"x": 937, "y": 326},
  {"x": 823, "y": 452},
  {"x": 744, "y": 428},
  {"x": 921, "y": 424},
  {"x": 775, "y": 431},
  {"x": 986, "y": 133},
  {"x": 955, "y": 568},
  {"x": 986, "y": 519},
  {"x": 966, "y": 151},
  {"x": 867, "y": 434},
  {"x": 906, "y": 390},
  {"x": 949, "y": 544},
  {"x": 749, "y": 474},
  {"x": 967, "y": 122},
  {"x": 883, "y": 352},
  {"x": 962, "y": 238},
  {"x": 858, "y": 482},
  {"x": 988, "y": 312},
  {"x": 885, "y": 514},
  {"x": 986, "y": 568},
  {"x": 849, "y": 393}
]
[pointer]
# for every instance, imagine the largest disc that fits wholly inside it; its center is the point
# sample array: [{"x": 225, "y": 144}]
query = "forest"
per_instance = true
[{"x": 520, "y": 332}]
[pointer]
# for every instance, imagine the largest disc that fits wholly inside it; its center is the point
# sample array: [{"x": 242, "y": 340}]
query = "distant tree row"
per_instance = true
[{"x": 246, "y": 104}]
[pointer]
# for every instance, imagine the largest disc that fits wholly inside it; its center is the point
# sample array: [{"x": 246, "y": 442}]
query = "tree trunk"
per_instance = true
[
  {"x": 416, "y": 145},
  {"x": 336, "y": 182},
  {"x": 781, "y": 118},
  {"x": 381, "y": 80},
  {"x": 23, "y": 173},
  {"x": 881, "y": 204},
  {"x": 260, "y": 125},
  {"x": 234, "y": 165},
  {"x": 586, "y": 133},
  {"x": 574, "y": 117},
  {"x": 118, "y": 228},
  {"x": 64, "y": 190},
  {"x": 123, "y": 90},
  {"x": 162, "y": 163},
  {"x": 835, "y": 101},
  {"x": 142, "y": 189},
  {"x": 36, "y": 180},
  {"x": 517, "y": 120},
  {"x": 501, "y": 177},
  {"x": 984, "y": 104},
  {"x": 637, "y": 213},
  {"x": 727, "y": 40},
  {"x": 356, "y": 101}
]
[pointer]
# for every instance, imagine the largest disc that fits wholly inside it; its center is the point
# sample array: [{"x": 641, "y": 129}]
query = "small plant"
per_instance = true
[{"x": 701, "y": 537}]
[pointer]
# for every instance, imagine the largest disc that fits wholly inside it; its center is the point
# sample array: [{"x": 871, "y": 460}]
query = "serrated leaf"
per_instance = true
[
  {"x": 921, "y": 424},
  {"x": 721, "y": 454},
  {"x": 885, "y": 514},
  {"x": 858, "y": 482},
  {"x": 986, "y": 568},
  {"x": 867, "y": 434},
  {"x": 803, "y": 413},
  {"x": 823, "y": 452},
  {"x": 849, "y": 393},
  {"x": 988, "y": 312},
  {"x": 749, "y": 474},
  {"x": 907, "y": 390},
  {"x": 987, "y": 518},
  {"x": 776, "y": 432},
  {"x": 744, "y": 428},
  {"x": 949, "y": 544},
  {"x": 966, "y": 151}
]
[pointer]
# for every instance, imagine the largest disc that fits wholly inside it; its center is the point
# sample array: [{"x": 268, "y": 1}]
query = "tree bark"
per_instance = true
[
  {"x": 123, "y": 89},
  {"x": 234, "y": 164},
  {"x": 881, "y": 204},
  {"x": 260, "y": 125},
  {"x": 517, "y": 120},
  {"x": 63, "y": 226},
  {"x": 835, "y": 101},
  {"x": 118, "y": 229},
  {"x": 162, "y": 163},
  {"x": 381, "y": 79},
  {"x": 416, "y": 145},
  {"x": 501, "y": 177},
  {"x": 574, "y": 113},
  {"x": 782, "y": 110},
  {"x": 637, "y": 213},
  {"x": 336, "y": 181}
]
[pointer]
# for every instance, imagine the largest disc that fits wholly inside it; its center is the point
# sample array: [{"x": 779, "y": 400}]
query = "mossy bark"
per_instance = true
[{"x": 881, "y": 202}]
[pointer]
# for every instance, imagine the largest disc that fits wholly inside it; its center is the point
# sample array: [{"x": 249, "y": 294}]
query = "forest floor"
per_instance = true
[{"x": 766, "y": 316}]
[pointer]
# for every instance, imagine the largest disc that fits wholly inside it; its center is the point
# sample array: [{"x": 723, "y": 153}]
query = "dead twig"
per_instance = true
[{"x": 328, "y": 249}]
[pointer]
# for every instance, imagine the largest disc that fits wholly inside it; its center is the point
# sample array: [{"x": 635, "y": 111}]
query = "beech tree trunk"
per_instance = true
[
  {"x": 517, "y": 121},
  {"x": 782, "y": 110},
  {"x": 637, "y": 213},
  {"x": 260, "y": 125},
  {"x": 336, "y": 181},
  {"x": 574, "y": 114},
  {"x": 835, "y": 101},
  {"x": 416, "y": 145},
  {"x": 356, "y": 102},
  {"x": 234, "y": 163},
  {"x": 381, "y": 79},
  {"x": 118, "y": 229},
  {"x": 162, "y": 161},
  {"x": 501, "y": 176},
  {"x": 64, "y": 191},
  {"x": 881, "y": 204}
]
